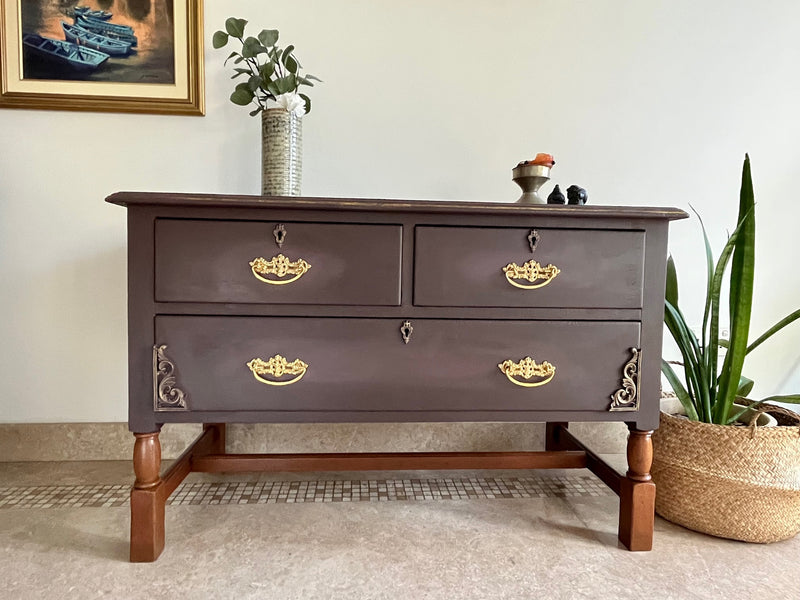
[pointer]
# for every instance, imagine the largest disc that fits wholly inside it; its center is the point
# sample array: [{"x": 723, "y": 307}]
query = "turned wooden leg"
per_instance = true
[
  {"x": 637, "y": 495},
  {"x": 218, "y": 444},
  {"x": 552, "y": 439},
  {"x": 147, "y": 499}
]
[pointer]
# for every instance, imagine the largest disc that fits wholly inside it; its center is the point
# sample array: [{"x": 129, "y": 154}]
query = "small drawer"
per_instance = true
[
  {"x": 569, "y": 268},
  {"x": 277, "y": 263},
  {"x": 350, "y": 364}
]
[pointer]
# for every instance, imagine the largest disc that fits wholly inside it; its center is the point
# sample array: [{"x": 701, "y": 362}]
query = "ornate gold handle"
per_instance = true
[
  {"x": 531, "y": 271},
  {"x": 527, "y": 368},
  {"x": 277, "y": 366},
  {"x": 280, "y": 266}
]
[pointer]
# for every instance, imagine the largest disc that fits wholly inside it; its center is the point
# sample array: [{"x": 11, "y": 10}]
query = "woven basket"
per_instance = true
[{"x": 741, "y": 483}]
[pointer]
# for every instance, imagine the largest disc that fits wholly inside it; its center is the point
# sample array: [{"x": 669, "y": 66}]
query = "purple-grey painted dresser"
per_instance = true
[{"x": 251, "y": 309}]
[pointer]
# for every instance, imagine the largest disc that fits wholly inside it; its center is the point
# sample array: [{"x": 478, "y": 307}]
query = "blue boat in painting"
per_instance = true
[
  {"x": 112, "y": 30},
  {"x": 64, "y": 53},
  {"x": 83, "y": 37},
  {"x": 85, "y": 11}
]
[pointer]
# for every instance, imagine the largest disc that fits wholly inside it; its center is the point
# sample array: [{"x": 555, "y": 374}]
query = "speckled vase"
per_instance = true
[{"x": 281, "y": 152}]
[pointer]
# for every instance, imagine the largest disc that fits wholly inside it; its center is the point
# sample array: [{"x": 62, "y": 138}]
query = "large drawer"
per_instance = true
[
  {"x": 316, "y": 263},
  {"x": 365, "y": 365},
  {"x": 464, "y": 266}
]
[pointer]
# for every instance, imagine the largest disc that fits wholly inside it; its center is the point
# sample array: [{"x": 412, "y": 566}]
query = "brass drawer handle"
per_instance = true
[
  {"x": 277, "y": 366},
  {"x": 280, "y": 266},
  {"x": 531, "y": 271},
  {"x": 527, "y": 368}
]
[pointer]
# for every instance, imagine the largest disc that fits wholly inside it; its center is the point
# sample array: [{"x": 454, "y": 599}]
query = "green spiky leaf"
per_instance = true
[{"x": 741, "y": 296}]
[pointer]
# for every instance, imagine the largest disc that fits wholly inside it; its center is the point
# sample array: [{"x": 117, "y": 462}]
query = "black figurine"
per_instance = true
[
  {"x": 577, "y": 195},
  {"x": 556, "y": 197}
]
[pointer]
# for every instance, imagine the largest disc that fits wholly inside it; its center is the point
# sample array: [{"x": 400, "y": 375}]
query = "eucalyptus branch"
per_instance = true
[{"x": 274, "y": 73}]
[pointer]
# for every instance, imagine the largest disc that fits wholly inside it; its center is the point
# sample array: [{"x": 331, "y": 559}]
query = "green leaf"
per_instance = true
[
  {"x": 267, "y": 69},
  {"x": 734, "y": 416},
  {"x": 672, "y": 282},
  {"x": 252, "y": 48},
  {"x": 741, "y": 295},
  {"x": 713, "y": 341},
  {"x": 697, "y": 379},
  {"x": 286, "y": 84},
  {"x": 711, "y": 361},
  {"x": 307, "y": 100},
  {"x": 272, "y": 88},
  {"x": 304, "y": 81},
  {"x": 235, "y": 27},
  {"x": 219, "y": 40},
  {"x": 253, "y": 113},
  {"x": 286, "y": 53},
  {"x": 745, "y": 386},
  {"x": 230, "y": 56},
  {"x": 242, "y": 96},
  {"x": 788, "y": 399},
  {"x": 774, "y": 329},
  {"x": 680, "y": 391},
  {"x": 268, "y": 37},
  {"x": 254, "y": 83},
  {"x": 313, "y": 78},
  {"x": 291, "y": 64},
  {"x": 239, "y": 72}
]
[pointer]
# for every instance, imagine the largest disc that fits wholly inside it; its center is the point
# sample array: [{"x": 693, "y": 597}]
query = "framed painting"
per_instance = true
[{"x": 136, "y": 56}]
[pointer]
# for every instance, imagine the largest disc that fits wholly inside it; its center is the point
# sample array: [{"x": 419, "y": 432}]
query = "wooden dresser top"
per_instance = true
[{"x": 424, "y": 206}]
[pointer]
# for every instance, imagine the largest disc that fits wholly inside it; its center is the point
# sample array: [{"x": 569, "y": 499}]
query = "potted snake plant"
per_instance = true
[{"x": 713, "y": 475}]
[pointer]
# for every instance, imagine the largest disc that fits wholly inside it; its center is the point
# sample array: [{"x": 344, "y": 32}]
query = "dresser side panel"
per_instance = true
[{"x": 141, "y": 310}]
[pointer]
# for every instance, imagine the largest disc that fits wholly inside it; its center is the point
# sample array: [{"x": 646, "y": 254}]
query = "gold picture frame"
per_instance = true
[{"x": 183, "y": 95}]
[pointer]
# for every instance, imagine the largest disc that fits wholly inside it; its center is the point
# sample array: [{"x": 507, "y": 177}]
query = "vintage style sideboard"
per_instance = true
[{"x": 250, "y": 309}]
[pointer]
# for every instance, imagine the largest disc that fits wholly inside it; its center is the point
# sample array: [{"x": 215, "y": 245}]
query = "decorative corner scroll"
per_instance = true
[
  {"x": 167, "y": 396},
  {"x": 627, "y": 397}
]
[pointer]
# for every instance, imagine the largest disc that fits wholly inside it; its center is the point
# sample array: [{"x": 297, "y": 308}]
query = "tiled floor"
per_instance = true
[
  {"x": 275, "y": 492},
  {"x": 450, "y": 535}
]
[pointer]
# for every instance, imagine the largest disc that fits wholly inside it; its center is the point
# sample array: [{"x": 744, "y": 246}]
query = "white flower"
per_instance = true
[{"x": 292, "y": 102}]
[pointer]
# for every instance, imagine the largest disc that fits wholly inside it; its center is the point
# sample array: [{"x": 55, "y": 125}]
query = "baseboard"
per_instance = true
[{"x": 113, "y": 441}]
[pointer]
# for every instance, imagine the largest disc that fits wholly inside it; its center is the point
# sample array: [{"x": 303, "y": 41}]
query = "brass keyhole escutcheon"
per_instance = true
[
  {"x": 533, "y": 239},
  {"x": 406, "y": 330},
  {"x": 280, "y": 234}
]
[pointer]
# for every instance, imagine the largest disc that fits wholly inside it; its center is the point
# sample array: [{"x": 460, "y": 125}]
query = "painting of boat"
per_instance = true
[
  {"x": 63, "y": 53},
  {"x": 83, "y": 37},
  {"x": 139, "y": 36},
  {"x": 112, "y": 30},
  {"x": 85, "y": 11}
]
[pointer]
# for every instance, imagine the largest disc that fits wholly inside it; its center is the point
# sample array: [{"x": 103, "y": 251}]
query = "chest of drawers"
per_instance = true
[{"x": 250, "y": 309}]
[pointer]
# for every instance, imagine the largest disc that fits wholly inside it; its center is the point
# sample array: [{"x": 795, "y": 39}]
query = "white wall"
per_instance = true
[{"x": 651, "y": 103}]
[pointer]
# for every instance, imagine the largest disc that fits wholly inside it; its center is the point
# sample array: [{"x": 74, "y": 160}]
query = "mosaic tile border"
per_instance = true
[{"x": 274, "y": 492}]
